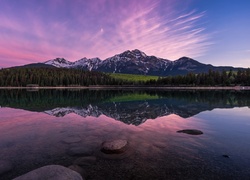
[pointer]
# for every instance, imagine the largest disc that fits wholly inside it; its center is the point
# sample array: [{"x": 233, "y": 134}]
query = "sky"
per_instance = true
[{"x": 211, "y": 31}]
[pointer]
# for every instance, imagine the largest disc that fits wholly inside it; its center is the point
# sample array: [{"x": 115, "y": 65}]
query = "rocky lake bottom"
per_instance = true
[{"x": 212, "y": 144}]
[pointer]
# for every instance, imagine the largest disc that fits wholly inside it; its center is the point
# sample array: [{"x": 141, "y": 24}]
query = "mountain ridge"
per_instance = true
[{"x": 137, "y": 62}]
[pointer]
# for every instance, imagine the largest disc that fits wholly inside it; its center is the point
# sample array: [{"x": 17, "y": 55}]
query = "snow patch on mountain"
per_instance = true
[
  {"x": 84, "y": 112},
  {"x": 59, "y": 62},
  {"x": 134, "y": 62},
  {"x": 89, "y": 64}
]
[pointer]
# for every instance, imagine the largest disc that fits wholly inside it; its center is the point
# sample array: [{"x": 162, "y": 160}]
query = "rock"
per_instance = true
[
  {"x": 51, "y": 172},
  {"x": 5, "y": 166},
  {"x": 191, "y": 131},
  {"x": 78, "y": 169},
  {"x": 225, "y": 156},
  {"x": 115, "y": 146},
  {"x": 85, "y": 161},
  {"x": 80, "y": 151},
  {"x": 73, "y": 139}
]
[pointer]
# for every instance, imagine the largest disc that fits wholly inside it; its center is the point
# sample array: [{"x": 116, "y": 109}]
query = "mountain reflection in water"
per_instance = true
[
  {"x": 130, "y": 107},
  {"x": 168, "y": 135}
]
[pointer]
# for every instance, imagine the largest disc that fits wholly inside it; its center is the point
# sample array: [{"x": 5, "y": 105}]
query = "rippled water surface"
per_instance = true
[{"x": 42, "y": 127}]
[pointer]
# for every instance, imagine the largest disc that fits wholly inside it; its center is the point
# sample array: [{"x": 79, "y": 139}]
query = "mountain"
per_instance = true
[
  {"x": 87, "y": 64},
  {"x": 36, "y": 65},
  {"x": 59, "y": 62},
  {"x": 137, "y": 62}
]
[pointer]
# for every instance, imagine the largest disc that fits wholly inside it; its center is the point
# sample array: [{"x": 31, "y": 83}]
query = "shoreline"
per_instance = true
[{"x": 137, "y": 87}]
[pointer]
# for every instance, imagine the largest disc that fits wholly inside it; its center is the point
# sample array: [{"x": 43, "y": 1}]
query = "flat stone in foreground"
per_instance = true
[
  {"x": 51, "y": 172},
  {"x": 115, "y": 146}
]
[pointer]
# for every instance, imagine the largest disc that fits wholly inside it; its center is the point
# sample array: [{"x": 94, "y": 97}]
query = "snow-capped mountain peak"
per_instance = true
[
  {"x": 134, "y": 54},
  {"x": 59, "y": 62},
  {"x": 138, "y": 53},
  {"x": 137, "y": 62},
  {"x": 131, "y": 62},
  {"x": 89, "y": 64}
]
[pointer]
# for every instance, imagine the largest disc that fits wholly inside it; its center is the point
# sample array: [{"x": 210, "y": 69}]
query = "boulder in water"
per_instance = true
[
  {"x": 115, "y": 146},
  {"x": 78, "y": 169},
  {"x": 51, "y": 172},
  {"x": 191, "y": 131}
]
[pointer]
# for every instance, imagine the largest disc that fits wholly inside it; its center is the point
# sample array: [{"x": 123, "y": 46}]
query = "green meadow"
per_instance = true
[{"x": 133, "y": 77}]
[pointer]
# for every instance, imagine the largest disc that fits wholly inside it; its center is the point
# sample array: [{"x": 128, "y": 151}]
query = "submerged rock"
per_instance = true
[
  {"x": 191, "y": 131},
  {"x": 85, "y": 161},
  {"x": 51, "y": 172},
  {"x": 5, "y": 166},
  {"x": 78, "y": 169},
  {"x": 80, "y": 151},
  {"x": 225, "y": 156},
  {"x": 73, "y": 139},
  {"x": 115, "y": 146}
]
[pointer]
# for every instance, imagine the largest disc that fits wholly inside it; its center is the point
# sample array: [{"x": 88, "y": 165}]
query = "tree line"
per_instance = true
[
  {"x": 21, "y": 77},
  {"x": 212, "y": 78},
  {"x": 52, "y": 77}
]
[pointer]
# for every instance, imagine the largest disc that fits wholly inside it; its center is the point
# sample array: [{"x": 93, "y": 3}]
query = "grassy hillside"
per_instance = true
[{"x": 133, "y": 77}]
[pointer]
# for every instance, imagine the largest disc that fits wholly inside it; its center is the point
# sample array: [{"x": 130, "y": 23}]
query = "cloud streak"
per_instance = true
[
  {"x": 162, "y": 35},
  {"x": 98, "y": 28}
]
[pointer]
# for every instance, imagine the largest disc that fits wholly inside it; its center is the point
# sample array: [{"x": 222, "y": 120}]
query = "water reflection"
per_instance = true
[
  {"x": 36, "y": 129},
  {"x": 130, "y": 107}
]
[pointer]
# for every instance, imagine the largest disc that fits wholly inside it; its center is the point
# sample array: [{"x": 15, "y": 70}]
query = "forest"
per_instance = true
[
  {"x": 211, "y": 78},
  {"x": 22, "y": 77},
  {"x": 52, "y": 77}
]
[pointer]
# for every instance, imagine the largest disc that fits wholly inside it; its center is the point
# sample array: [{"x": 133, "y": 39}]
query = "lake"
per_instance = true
[{"x": 43, "y": 127}]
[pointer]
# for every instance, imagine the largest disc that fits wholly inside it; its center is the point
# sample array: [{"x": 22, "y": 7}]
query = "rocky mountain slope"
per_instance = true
[{"x": 137, "y": 62}]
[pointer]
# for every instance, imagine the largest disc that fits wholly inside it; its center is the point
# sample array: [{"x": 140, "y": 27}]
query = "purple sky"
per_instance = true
[{"x": 210, "y": 31}]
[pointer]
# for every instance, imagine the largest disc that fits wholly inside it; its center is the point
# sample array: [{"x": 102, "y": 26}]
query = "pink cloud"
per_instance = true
[
  {"x": 101, "y": 28},
  {"x": 164, "y": 36}
]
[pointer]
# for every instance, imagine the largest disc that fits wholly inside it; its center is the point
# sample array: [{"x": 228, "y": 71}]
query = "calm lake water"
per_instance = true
[{"x": 42, "y": 127}]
